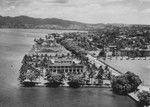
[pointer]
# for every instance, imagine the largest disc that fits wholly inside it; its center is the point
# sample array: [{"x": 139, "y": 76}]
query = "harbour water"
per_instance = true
[{"x": 14, "y": 43}]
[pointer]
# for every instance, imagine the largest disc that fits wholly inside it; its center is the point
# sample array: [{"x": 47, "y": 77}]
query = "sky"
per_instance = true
[{"x": 88, "y": 11}]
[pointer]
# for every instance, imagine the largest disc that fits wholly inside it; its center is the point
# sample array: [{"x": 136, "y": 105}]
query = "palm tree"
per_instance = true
[
  {"x": 100, "y": 75},
  {"x": 25, "y": 59},
  {"x": 54, "y": 80},
  {"x": 28, "y": 74},
  {"x": 94, "y": 66},
  {"x": 92, "y": 75},
  {"x": 75, "y": 81}
]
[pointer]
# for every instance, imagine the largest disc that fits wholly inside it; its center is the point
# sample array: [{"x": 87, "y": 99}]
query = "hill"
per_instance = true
[
  {"x": 55, "y": 23},
  {"x": 48, "y": 23}
]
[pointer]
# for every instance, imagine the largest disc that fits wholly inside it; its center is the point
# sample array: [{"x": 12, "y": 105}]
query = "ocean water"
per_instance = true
[{"x": 14, "y": 43}]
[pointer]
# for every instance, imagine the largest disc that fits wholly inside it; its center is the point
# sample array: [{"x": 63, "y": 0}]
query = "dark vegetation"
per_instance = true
[
  {"x": 144, "y": 98},
  {"x": 28, "y": 84},
  {"x": 75, "y": 81},
  {"x": 131, "y": 36},
  {"x": 78, "y": 43},
  {"x": 54, "y": 80},
  {"x": 125, "y": 83},
  {"x": 48, "y": 23}
]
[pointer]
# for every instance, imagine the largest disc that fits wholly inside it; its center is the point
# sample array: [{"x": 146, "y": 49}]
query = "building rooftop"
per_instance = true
[
  {"x": 64, "y": 62},
  {"x": 129, "y": 49}
]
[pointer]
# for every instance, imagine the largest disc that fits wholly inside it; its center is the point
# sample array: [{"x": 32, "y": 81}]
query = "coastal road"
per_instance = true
[
  {"x": 116, "y": 73},
  {"x": 98, "y": 63}
]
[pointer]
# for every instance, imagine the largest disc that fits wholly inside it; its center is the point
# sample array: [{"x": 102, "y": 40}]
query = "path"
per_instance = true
[{"x": 116, "y": 73}]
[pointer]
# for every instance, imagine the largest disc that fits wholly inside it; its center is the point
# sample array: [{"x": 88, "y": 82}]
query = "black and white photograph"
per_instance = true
[{"x": 74, "y": 53}]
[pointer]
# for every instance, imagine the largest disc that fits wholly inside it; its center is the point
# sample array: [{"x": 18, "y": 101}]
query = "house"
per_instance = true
[{"x": 135, "y": 53}]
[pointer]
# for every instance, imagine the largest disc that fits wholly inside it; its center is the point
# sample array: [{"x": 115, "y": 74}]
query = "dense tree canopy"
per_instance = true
[
  {"x": 75, "y": 81},
  {"x": 28, "y": 72},
  {"x": 125, "y": 83},
  {"x": 144, "y": 98}
]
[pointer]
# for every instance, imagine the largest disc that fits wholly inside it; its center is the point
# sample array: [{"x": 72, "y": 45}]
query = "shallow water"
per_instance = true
[
  {"x": 63, "y": 97},
  {"x": 14, "y": 43}
]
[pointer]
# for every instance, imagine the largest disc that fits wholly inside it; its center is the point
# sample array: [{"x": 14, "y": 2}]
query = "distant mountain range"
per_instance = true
[{"x": 47, "y": 23}]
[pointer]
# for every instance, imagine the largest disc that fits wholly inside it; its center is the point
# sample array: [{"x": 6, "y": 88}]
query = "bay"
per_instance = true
[{"x": 14, "y": 43}]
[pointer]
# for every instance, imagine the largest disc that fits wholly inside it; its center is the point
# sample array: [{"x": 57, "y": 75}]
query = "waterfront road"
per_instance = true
[
  {"x": 115, "y": 72},
  {"x": 98, "y": 63}
]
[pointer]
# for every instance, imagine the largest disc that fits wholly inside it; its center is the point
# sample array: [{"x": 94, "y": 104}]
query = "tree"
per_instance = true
[
  {"x": 26, "y": 59},
  {"x": 100, "y": 75},
  {"x": 75, "y": 81},
  {"x": 28, "y": 72},
  {"x": 39, "y": 41},
  {"x": 94, "y": 66},
  {"x": 125, "y": 83},
  {"x": 144, "y": 98},
  {"x": 84, "y": 60},
  {"x": 101, "y": 70},
  {"x": 54, "y": 80},
  {"x": 68, "y": 54},
  {"x": 134, "y": 80},
  {"x": 63, "y": 55},
  {"x": 56, "y": 55},
  {"x": 108, "y": 73},
  {"x": 22, "y": 71},
  {"x": 102, "y": 53},
  {"x": 31, "y": 75}
]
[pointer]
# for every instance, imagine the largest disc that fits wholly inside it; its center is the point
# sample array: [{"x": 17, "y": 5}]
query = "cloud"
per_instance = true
[
  {"x": 146, "y": 11},
  {"x": 76, "y": 2},
  {"x": 91, "y": 13},
  {"x": 144, "y": 0},
  {"x": 55, "y": 2},
  {"x": 10, "y": 8},
  {"x": 60, "y": 1},
  {"x": 111, "y": 1},
  {"x": 52, "y": 1},
  {"x": 88, "y": 2}
]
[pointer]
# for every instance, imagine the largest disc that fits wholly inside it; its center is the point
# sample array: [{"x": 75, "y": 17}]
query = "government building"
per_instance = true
[{"x": 65, "y": 66}]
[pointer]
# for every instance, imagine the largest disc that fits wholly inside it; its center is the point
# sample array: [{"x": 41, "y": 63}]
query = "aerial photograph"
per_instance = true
[{"x": 74, "y": 53}]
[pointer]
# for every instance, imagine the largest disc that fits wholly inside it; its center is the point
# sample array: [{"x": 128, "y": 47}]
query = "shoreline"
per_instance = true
[
  {"x": 135, "y": 65},
  {"x": 48, "y": 29},
  {"x": 132, "y": 95},
  {"x": 73, "y": 88}
]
